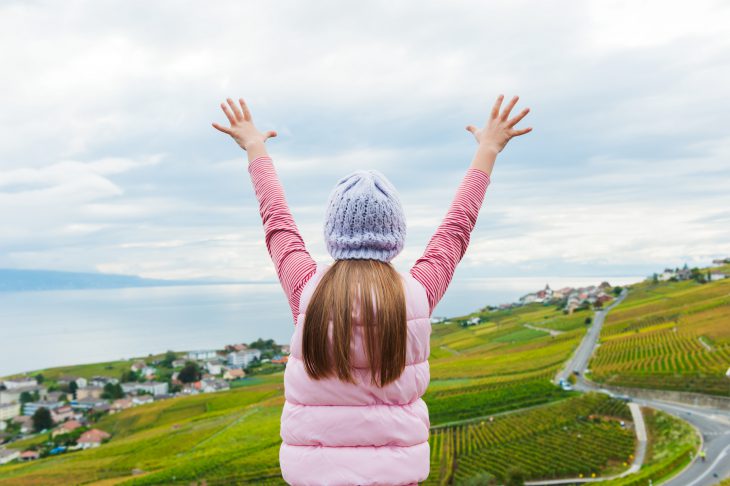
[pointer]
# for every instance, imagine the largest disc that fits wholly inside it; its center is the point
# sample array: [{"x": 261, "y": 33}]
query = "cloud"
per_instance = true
[{"x": 108, "y": 161}]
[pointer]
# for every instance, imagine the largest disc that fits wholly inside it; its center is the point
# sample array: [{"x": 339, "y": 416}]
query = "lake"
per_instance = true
[{"x": 41, "y": 329}]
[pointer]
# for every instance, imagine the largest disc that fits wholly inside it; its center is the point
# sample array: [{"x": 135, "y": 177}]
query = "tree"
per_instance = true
[
  {"x": 514, "y": 477},
  {"x": 128, "y": 375},
  {"x": 617, "y": 290},
  {"x": 25, "y": 397},
  {"x": 588, "y": 320},
  {"x": 72, "y": 387},
  {"x": 190, "y": 373},
  {"x": 40, "y": 378},
  {"x": 112, "y": 391},
  {"x": 42, "y": 419},
  {"x": 170, "y": 356}
]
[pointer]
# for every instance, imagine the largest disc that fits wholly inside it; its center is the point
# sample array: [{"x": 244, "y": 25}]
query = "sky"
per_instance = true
[{"x": 109, "y": 162}]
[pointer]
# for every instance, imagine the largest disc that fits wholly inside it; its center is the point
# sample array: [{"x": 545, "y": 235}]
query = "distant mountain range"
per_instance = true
[{"x": 20, "y": 280}]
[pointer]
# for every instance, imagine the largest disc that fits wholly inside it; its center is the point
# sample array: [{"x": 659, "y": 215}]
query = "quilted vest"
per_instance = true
[{"x": 341, "y": 434}]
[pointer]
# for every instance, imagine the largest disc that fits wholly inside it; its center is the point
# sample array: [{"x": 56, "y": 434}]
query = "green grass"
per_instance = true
[
  {"x": 491, "y": 368},
  {"x": 672, "y": 442}
]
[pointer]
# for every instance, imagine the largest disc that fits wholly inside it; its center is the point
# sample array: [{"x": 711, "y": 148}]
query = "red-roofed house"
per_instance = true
[
  {"x": 92, "y": 438},
  {"x": 66, "y": 427}
]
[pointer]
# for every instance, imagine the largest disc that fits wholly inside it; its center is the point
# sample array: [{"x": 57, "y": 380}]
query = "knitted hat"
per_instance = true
[{"x": 364, "y": 218}]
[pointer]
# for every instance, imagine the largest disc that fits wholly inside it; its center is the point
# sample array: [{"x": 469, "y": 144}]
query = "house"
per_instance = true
[
  {"x": 138, "y": 366},
  {"x": 200, "y": 355},
  {"x": 148, "y": 372},
  {"x": 717, "y": 276},
  {"x": 179, "y": 363},
  {"x": 9, "y": 410},
  {"x": 30, "y": 407},
  {"x": 208, "y": 386},
  {"x": 233, "y": 374},
  {"x": 153, "y": 387},
  {"x": 13, "y": 395},
  {"x": 92, "y": 438},
  {"x": 89, "y": 392},
  {"x": 67, "y": 379},
  {"x": 243, "y": 358},
  {"x": 121, "y": 404},
  {"x": 29, "y": 455},
  {"x": 25, "y": 422},
  {"x": 285, "y": 348},
  {"x": 525, "y": 299},
  {"x": 62, "y": 413},
  {"x": 232, "y": 348},
  {"x": 280, "y": 359},
  {"x": 66, "y": 428},
  {"x": 102, "y": 381},
  {"x": 214, "y": 367},
  {"x": 7, "y": 455},
  {"x": 23, "y": 382},
  {"x": 87, "y": 404},
  {"x": 603, "y": 298},
  {"x": 142, "y": 399}
]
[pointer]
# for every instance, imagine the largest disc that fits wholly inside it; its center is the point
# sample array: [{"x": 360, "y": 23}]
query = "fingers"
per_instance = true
[
  {"x": 517, "y": 133},
  {"x": 246, "y": 112},
  {"x": 236, "y": 111},
  {"x": 471, "y": 128},
  {"x": 228, "y": 113},
  {"x": 519, "y": 117},
  {"x": 509, "y": 107},
  {"x": 222, "y": 129},
  {"x": 497, "y": 104},
  {"x": 270, "y": 133}
]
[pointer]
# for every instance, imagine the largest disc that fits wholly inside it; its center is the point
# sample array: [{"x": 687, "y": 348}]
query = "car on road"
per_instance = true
[{"x": 565, "y": 385}]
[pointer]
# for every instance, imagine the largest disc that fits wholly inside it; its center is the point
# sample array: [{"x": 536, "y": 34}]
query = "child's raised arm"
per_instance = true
[
  {"x": 293, "y": 263},
  {"x": 447, "y": 246}
]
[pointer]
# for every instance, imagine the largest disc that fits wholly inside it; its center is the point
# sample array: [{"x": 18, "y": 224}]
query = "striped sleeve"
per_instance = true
[
  {"x": 447, "y": 246},
  {"x": 294, "y": 265}
]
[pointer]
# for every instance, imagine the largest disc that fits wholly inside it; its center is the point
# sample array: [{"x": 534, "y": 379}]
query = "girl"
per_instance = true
[{"x": 353, "y": 412}]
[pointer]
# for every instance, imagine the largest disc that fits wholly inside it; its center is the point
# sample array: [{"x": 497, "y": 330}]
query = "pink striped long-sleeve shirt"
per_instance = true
[{"x": 295, "y": 266}]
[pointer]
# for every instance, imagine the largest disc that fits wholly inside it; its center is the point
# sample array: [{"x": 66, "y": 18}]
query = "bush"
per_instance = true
[{"x": 514, "y": 477}]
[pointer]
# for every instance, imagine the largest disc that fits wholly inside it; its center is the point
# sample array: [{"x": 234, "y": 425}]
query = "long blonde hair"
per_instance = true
[{"x": 384, "y": 321}]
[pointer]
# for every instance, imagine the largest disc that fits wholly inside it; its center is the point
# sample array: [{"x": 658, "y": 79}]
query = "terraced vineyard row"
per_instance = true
[
  {"x": 581, "y": 435},
  {"x": 673, "y": 335}
]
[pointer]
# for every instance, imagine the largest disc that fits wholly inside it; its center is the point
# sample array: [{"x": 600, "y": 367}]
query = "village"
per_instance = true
[
  {"x": 67, "y": 408},
  {"x": 570, "y": 299}
]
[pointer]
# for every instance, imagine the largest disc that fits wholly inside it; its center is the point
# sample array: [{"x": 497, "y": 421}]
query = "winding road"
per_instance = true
[{"x": 713, "y": 424}]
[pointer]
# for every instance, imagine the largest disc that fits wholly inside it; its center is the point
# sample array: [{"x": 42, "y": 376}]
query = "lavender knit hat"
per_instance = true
[{"x": 364, "y": 218}]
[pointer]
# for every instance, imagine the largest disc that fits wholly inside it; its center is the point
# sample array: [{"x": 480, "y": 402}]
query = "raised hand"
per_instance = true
[
  {"x": 242, "y": 128},
  {"x": 499, "y": 129}
]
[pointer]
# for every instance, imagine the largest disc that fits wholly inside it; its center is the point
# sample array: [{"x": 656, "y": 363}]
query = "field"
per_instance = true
[
  {"x": 578, "y": 436},
  {"x": 670, "y": 335},
  {"x": 490, "y": 400}
]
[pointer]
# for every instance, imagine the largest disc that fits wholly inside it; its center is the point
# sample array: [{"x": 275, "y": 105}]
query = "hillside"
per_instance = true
[
  {"x": 491, "y": 402},
  {"x": 668, "y": 335}
]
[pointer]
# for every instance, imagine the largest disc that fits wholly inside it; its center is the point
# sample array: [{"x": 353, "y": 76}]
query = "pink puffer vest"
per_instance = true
[{"x": 336, "y": 433}]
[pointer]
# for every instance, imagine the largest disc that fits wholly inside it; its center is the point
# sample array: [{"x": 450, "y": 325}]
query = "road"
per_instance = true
[
  {"x": 579, "y": 360},
  {"x": 713, "y": 424}
]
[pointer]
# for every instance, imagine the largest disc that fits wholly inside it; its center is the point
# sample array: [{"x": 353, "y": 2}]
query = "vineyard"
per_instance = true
[
  {"x": 491, "y": 403},
  {"x": 673, "y": 335},
  {"x": 578, "y": 436}
]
